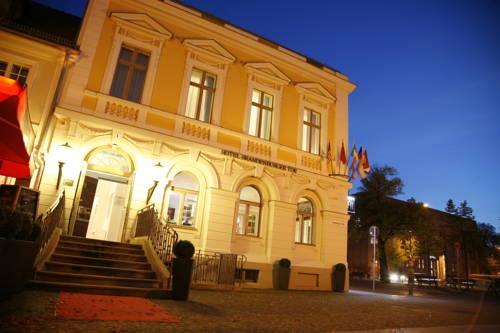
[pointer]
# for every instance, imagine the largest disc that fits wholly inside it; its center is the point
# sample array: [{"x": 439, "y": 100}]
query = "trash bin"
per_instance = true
[{"x": 338, "y": 277}]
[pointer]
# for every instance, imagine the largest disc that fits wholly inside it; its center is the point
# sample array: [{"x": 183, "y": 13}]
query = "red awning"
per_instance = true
[{"x": 15, "y": 130}]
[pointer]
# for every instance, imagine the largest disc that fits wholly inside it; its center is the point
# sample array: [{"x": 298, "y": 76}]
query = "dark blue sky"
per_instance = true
[{"x": 428, "y": 75}]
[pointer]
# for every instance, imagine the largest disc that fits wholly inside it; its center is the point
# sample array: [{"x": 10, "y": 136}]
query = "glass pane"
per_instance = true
[
  {"x": 110, "y": 159},
  {"x": 305, "y": 137},
  {"x": 142, "y": 59},
  {"x": 297, "y": 230},
  {"x": 307, "y": 231},
  {"x": 307, "y": 115},
  {"x": 268, "y": 100},
  {"x": 173, "y": 207},
  {"x": 196, "y": 75},
  {"x": 186, "y": 181},
  {"x": 21, "y": 80},
  {"x": 188, "y": 215},
  {"x": 253, "y": 221},
  {"x": 304, "y": 206},
  {"x": 24, "y": 71},
  {"x": 210, "y": 80},
  {"x": 315, "y": 141},
  {"x": 119, "y": 80},
  {"x": 3, "y": 67},
  {"x": 126, "y": 54},
  {"x": 136, "y": 85},
  {"x": 315, "y": 118},
  {"x": 254, "y": 118},
  {"x": 265, "y": 130},
  {"x": 15, "y": 69},
  {"x": 206, "y": 105},
  {"x": 249, "y": 193},
  {"x": 240, "y": 221},
  {"x": 256, "y": 96},
  {"x": 192, "y": 101}
]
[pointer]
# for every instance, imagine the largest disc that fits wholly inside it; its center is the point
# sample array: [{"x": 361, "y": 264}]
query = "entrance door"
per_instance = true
[{"x": 108, "y": 211}]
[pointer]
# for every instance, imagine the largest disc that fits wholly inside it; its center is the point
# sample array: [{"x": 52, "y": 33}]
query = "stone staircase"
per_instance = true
[{"x": 99, "y": 267}]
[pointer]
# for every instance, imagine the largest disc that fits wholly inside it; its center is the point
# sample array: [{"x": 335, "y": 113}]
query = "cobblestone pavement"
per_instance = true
[{"x": 275, "y": 311}]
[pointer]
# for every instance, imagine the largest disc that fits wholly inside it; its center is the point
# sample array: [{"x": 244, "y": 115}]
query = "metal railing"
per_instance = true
[
  {"x": 51, "y": 219},
  {"x": 216, "y": 270},
  {"x": 162, "y": 236}
]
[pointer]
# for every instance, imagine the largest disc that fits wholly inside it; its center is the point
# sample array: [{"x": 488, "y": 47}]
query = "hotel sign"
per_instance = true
[{"x": 259, "y": 161}]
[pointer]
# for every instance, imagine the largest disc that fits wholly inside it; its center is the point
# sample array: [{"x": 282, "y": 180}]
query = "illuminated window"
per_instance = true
[
  {"x": 15, "y": 71},
  {"x": 248, "y": 218},
  {"x": 304, "y": 222},
  {"x": 183, "y": 200},
  {"x": 261, "y": 114},
  {"x": 311, "y": 129},
  {"x": 111, "y": 161},
  {"x": 3, "y": 68},
  {"x": 201, "y": 95},
  {"x": 130, "y": 74}
]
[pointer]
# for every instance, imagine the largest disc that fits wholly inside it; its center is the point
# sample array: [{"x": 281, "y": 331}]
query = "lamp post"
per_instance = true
[
  {"x": 157, "y": 174},
  {"x": 63, "y": 152}
]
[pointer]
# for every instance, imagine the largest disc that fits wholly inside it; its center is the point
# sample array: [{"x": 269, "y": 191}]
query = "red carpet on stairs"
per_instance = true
[{"x": 101, "y": 307}]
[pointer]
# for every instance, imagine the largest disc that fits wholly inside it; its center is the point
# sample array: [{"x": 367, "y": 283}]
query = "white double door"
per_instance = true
[{"x": 108, "y": 211}]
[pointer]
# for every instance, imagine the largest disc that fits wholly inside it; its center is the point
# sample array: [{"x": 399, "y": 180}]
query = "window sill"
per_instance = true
[
  {"x": 183, "y": 227},
  {"x": 305, "y": 244}
]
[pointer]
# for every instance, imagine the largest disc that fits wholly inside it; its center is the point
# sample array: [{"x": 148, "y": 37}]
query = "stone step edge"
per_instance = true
[
  {"x": 93, "y": 276},
  {"x": 94, "y": 286},
  {"x": 65, "y": 242},
  {"x": 96, "y": 241},
  {"x": 130, "y": 270},
  {"x": 101, "y": 259},
  {"x": 100, "y": 252}
]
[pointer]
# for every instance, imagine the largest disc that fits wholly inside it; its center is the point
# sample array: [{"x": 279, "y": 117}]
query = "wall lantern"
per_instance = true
[
  {"x": 63, "y": 152},
  {"x": 157, "y": 175}
]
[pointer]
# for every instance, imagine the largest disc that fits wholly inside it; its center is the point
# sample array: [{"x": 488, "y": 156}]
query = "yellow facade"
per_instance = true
[{"x": 220, "y": 154}]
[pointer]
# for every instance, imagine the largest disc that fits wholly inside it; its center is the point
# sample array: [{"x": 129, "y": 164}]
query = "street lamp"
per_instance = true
[
  {"x": 63, "y": 153},
  {"x": 157, "y": 174}
]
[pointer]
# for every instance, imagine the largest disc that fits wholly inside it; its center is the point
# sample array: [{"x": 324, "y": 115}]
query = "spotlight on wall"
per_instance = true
[
  {"x": 157, "y": 174},
  {"x": 62, "y": 152}
]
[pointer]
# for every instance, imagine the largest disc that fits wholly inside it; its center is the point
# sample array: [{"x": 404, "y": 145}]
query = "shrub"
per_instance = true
[
  {"x": 184, "y": 249},
  {"x": 285, "y": 263},
  {"x": 17, "y": 225}
]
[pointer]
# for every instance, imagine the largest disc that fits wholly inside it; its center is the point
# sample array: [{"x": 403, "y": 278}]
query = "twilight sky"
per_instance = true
[{"x": 428, "y": 76}]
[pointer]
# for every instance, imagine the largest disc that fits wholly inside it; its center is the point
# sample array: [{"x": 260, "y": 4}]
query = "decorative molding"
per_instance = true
[
  {"x": 212, "y": 158},
  {"x": 315, "y": 91},
  {"x": 196, "y": 131},
  {"x": 87, "y": 132},
  {"x": 243, "y": 166},
  {"x": 267, "y": 74},
  {"x": 274, "y": 173},
  {"x": 139, "y": 142},
  {"x": 209, "y": 50},
  {"x": 141, "y": 26},
  {"x": 121, "y": 111},
  {"x": 259, "y": 148},
  {"x": 172, "y": 149},
  {"x": 325, "y": 185},
  {"x": 311, "y": 162},
  {"x": 299, "y": 179}
]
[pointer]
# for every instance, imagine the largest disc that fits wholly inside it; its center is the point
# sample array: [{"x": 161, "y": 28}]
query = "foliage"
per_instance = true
[
  {"x": 450, "y": 207},
  {"x": 17, "y": 225},
  {"x": 184, "y": 249},
  {"x": 284, "y": 263},
  {"x": 465, "y": 211}
]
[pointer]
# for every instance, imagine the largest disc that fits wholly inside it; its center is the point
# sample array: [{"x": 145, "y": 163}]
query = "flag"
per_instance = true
[
  {"x": 360, "y": 168},
  {"x": 329, "y": 158},
  {"x": 343, "y": 157},
  {"x": 366, "y": 164},
  {"x": 354, "y": 159}
]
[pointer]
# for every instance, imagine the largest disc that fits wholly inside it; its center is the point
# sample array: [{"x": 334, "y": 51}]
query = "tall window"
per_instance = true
[
  {"x": 183, "y": 200},
  {"x": 311, "y": 128},
  {"x": 248, "y": 219},
  {"x": 261, "y": 114},
  {"x": 14, "y": 71},
  {"x": 130, "y": 74},
  {"x": 201, "y": 95},
  {"x": 304, "y": 222}
]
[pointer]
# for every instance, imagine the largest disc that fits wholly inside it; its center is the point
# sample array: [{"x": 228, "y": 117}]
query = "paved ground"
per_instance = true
[{"x": 280, "y": 311}]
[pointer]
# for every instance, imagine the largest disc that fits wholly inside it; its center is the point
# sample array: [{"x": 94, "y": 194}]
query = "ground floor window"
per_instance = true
[
  {"x": 183, "y": 200},
  {"x": 248, "y": 217},
  {"x": 304, "y": 222}
]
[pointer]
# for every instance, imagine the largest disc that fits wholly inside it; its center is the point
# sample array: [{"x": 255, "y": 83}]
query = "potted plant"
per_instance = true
[
  {"x": 181, "y": 269},
  {"x": 18, "y": 250},
  {"x": 282, "y": 273}
]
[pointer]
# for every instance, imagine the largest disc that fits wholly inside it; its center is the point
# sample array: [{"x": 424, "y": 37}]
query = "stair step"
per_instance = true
[
  {"x": 99, "y": 247},
  {"x": 100, "y": 289},
  {"x": 100, "y": 254},
  {"x": 99, "y": 242},
  {"x": 101, "y": 262},
  {"x": 96, "y": 279},
  {"x": 56, "y": 266}
]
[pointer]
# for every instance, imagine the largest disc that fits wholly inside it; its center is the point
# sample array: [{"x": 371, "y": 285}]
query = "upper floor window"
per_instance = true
[
  {"x": 183, "y": 200},
  {"x": 130, "y": 74},
  {"x": 311, "y": 129},
  {"x": 304, "y": 222},
  {"x": 14, "y": 71},
  {"x": 201, "y": 95},
  {"x": 261, "y": 114},
  {"x": 248, "y": 218}
]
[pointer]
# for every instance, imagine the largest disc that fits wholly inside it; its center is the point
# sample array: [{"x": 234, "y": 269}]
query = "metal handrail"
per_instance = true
[
  {"x": 52, "y": 218},
  {"x": 217, "y": 269}
]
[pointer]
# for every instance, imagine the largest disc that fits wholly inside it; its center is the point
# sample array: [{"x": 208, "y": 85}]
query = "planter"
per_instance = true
[
  {"x": 283, "y": 278},
  {"x": 181, "y": 278},
  {"x": 16, "y": 265},
  {"x": 338, "y": 278}
]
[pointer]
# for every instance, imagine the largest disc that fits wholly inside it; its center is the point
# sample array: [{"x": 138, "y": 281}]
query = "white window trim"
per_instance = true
[
  {"x": 129, "y": 33},
  {"x": 315, "y": 98},
  {"x": 267, "y": 78},
  {"x": 20, "y": 61},
  {"x": 215, "y": 61}
]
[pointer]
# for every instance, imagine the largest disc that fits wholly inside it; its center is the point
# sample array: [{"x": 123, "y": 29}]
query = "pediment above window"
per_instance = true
[
  {"x": 209, "y": 51},
  {"x": 315, "y": 93},
  {"x": 267, "y": 74},
  {"x": 141, "y": 27}
]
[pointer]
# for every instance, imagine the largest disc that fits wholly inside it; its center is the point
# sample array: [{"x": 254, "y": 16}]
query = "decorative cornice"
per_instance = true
[
  {"x": 141, "y": 23},
  {"x": 209, "y": 48}
]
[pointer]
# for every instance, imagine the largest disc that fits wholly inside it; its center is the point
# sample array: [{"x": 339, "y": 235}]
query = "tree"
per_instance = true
[
  {"x": 375, "y": 206},
  {"x": 450, "y": 207},
  {"x": 465, "y": 211}
]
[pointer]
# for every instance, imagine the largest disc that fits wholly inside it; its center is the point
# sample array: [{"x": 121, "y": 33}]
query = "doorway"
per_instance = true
[{"x": 102, "y": 207}]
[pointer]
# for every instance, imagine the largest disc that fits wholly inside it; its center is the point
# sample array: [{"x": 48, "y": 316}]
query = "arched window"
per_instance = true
[
  {"x": 248, "y": 219},
  {"x": 183, "y": 200},
  {"x": 304, "y": 222},
  {"x": 110, "y": 160}
]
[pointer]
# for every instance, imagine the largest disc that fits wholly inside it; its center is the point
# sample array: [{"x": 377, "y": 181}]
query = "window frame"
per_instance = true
[
  {"x": 260, "y": 105},
  {"x": 132, "y": 65},
  {"x": 202, "y": 88},
  {"x": 248, "y": 204},
  {"x": 311, "y": 125},
  {"x": 9, "y": 67},
  {"x": 183, "y": 193},
  {"x": 301, "y": 218}
]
